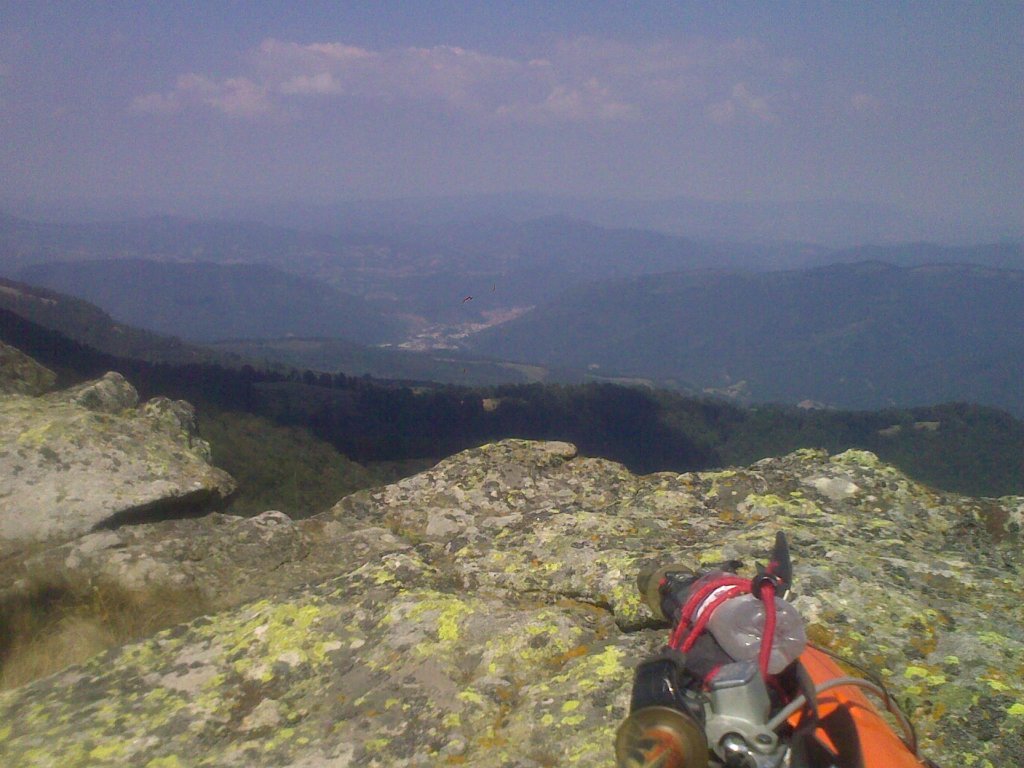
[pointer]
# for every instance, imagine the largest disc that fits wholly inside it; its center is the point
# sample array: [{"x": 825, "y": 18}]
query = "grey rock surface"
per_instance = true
[
  {"x": 90, "y": 456},
  {"x": 223, "y": 559},
  {"x": 484, "y": 613}
]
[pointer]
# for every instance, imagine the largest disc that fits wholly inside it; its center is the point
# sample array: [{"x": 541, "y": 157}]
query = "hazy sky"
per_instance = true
[{"x": 920, "y": 105}]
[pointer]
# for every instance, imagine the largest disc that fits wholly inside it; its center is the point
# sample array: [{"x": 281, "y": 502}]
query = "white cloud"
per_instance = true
[
  {"x": 322, "y": 83},
  {"x": 741, "y": 104},
  {"x": 241, "y": 97},
  {"x": 236, "y": 96},
  {"x": 581, "y": 80},
  {"x": 591, "y": 101},
  {"x": 339, "y": 51}
]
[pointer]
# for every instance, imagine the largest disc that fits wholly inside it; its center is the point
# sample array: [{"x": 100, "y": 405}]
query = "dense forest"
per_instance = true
[{"x": 300, "y": 440}]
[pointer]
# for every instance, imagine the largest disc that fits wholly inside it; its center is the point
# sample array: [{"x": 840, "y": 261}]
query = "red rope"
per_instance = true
[
  {"x": 705, "y": 615},
  {"x": 767, "y": 596},
  {"x": 684, "y": 636},
  {"x": 694, "y": 602}
]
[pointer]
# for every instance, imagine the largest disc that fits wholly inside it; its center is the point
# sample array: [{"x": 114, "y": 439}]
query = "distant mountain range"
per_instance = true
[
  {"x": 830, "y": 223},
  {"x": 862, "y": 335},
  {"x": 861, "y": 327},
  {"x": 423, "y": 269},
  {"x": 420, "y": 273},
  {"x": 1005, "y": 255},
  {"x": 207, "y": 302},
  {"x": 24, "y": 242},
  {"x": 86, "y": 323}
]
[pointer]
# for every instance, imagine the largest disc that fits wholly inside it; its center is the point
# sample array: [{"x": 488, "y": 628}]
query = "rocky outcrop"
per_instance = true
[
  {"x": 21, "y": 375},
  {"x": 222, "y": 559},
  {"x": 91, "y": 456},
  {"x": 484, "y": 613}
]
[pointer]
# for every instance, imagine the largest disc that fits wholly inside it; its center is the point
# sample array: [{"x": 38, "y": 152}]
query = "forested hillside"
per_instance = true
[
  {"x": 866, "y": 335},
  {"x": 204, "y": 301},
  {"x": 958, "y": 447}
]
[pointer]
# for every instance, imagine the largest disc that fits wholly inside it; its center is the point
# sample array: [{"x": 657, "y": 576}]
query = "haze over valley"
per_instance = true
[
  {"x": 563, "y": 299},
  {"x": 752, "y": 205}
]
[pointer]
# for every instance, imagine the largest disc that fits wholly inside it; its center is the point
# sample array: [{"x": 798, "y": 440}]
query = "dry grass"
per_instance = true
[{"x": 55, "y": 623}]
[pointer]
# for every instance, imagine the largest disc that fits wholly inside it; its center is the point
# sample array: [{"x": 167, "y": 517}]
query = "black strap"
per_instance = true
[{"x": 807, "y": 751}]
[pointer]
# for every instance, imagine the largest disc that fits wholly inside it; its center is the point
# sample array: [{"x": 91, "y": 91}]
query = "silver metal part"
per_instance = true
[
  {"x": 739, "y": 690},
  {"x": 737, "y": 718},
  {"x": 736, "y": 754}
]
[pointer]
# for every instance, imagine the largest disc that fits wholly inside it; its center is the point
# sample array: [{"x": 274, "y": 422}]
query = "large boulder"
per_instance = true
[
  {"x": 484, "y": 613},
  {"x": 21, "y": 375},
  {"x": 91, "y": 456}
]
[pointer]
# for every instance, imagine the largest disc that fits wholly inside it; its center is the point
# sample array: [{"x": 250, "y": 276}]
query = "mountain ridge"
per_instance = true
[
  {"x": 470, "y": 284},
  {"x": 852, "y": 335},
  {"x": 204, "y": 301}
]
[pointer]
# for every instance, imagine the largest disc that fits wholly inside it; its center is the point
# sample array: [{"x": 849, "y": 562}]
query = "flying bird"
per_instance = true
[{"x": 468, "y": 298}]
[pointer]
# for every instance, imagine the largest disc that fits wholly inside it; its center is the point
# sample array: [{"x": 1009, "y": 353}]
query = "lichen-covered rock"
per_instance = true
[
  {"x": 21, "y": 375},
  {"x": 111, "y": 393},
  {"x": 87, "y": 456},
  {"x": 221, "y": 555},
  {"x": 499, "y": 626},
  {"x": 223, "y": 559}
]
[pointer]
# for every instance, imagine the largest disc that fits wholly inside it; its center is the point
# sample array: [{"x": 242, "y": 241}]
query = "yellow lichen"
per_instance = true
[
  {"x": 859, "y": 458},
  {"x": 107, "y": 751},
  {"x": 470, "y": 696},
  {"x": 376, "y": 745},
  {"x": 711, "y": 556},
  {"x": 451, "y": 720},
  {"x": 170, "y": 761},
  {"x": 448, "y": 621},
  {"x": 773, "y": 502}
]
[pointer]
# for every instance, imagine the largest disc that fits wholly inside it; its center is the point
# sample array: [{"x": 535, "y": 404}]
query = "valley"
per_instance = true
[
  {"x": 263, "y": 417},
  {"x": 481, "y": 300}
]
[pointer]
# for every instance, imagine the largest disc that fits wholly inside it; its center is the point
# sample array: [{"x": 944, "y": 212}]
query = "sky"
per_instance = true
[{"x": 918, "y": 105}]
